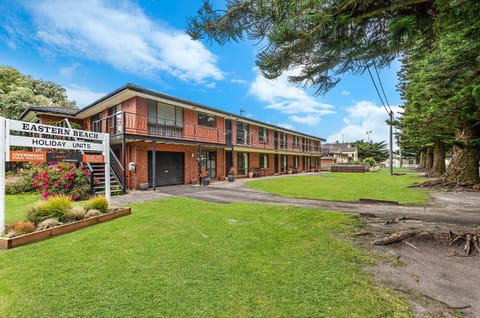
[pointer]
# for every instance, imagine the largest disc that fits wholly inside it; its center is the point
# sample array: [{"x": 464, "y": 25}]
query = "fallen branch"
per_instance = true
[
  {"x": 361, "y": 234},
  {"x": 394, "y": 238},
  {"x": 396, "y": 220},
  {"x": 470, "y": 241}
]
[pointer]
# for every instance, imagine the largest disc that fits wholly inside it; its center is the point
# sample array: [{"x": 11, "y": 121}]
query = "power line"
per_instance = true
[
  {"x": 376, "y": 89},
  {"x": 381, "y": 85}
]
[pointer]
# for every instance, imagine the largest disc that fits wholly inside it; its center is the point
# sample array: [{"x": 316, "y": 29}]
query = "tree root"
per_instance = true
[{"x": 471, "y": 241}]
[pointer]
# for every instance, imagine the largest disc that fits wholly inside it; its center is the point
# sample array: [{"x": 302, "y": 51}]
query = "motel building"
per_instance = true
[{"x": 159, "y": 140}]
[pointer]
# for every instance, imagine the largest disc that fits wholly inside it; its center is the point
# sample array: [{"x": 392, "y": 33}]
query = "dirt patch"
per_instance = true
[{"x": 433, "y": 275}]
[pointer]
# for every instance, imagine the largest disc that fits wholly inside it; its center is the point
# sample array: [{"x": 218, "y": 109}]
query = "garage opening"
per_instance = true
[{"x": 169, "y": 166}]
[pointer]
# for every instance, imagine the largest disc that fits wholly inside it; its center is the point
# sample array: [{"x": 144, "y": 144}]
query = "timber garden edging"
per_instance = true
[{"x": 8, "y": 243}]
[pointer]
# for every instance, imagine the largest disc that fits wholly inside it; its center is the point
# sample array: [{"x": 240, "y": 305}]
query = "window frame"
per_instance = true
[{"x": 207, "y": 120}]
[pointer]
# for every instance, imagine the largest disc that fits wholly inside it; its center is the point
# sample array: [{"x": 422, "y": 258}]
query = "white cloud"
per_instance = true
[
  {"x": 120, "y": 34},
  {"x": 309, "y": 120},
  {"x": 362, "y": 117},
  {"x": 82, "y": 95},
  {"x": 68, "y": 71},
  {"x": 345, "y": 93},
  {"x": 286, "y": 126},
  {"x": 286, "y": 98}
]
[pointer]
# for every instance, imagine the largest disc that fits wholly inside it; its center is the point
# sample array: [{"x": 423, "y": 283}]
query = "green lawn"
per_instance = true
[
  {"x": 186, "y": 258},
  {"x": 347, "y": 187},
  {"x": 16, "y": 206}
]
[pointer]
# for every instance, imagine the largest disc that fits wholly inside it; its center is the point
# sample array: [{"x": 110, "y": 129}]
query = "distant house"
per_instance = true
[{"x": 340, "y": 152}]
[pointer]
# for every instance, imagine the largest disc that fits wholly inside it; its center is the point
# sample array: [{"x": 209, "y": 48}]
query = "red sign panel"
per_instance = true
[
  {"x": 93, "y": 158},
  {"x": 28, "y": 156}
]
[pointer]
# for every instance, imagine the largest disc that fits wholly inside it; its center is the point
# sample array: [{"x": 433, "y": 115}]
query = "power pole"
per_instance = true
[{"x": 391, "y": 141}]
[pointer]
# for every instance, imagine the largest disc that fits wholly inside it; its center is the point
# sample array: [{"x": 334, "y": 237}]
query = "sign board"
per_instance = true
[
  {"x": 27, "y": 156},
  {"x": 53, "y": 143},
  {"x": 68, "y": 156},
  {"x": 93, "y": 158},
  {"x": 39, "y": 136},
  {"x": 54, "y": 130}
]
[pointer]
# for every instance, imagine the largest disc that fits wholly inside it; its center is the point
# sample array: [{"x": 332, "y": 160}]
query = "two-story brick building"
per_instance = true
[{"x": 171, "y": 139}]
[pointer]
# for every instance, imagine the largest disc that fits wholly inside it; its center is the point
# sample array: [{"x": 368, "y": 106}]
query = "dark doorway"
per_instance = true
[
  {"x": 275, "y": 163},
  {"x": 169, "y": 168},
  {"x": 228, "y": 161},
  {"x": 228, "y": 131}
]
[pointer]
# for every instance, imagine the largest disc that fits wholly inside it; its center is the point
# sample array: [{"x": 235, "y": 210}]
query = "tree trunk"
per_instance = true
[
  {"x": 463, "y": 167},
  {"x": 438, "y": 166},
  {"x": 421, "y": 165},
  {"x": 428, "y": 160}
]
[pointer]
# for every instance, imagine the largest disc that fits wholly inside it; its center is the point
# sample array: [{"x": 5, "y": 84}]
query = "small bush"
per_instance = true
[
  {"x": 91, "y": 213},
  {"x": 55, "y": 207},
  {"x": 47, "y": 224},
  {"x": 19, "y": 184},
  {"x": 19, "y": 228},
  {"x": 370, "y": 162},
  {"x": 98, "y": 203},
  {"x": 74, "y": 214}
]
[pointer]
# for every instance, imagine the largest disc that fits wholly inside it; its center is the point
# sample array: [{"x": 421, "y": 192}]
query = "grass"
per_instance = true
[
  {"x": 16, "y": 206},
  {"x": 185, "y": 258},
  {"x": 347, "y": 187}
]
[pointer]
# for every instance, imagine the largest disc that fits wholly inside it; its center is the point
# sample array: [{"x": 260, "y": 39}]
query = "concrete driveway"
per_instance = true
[{"x": 446, "y": 207}]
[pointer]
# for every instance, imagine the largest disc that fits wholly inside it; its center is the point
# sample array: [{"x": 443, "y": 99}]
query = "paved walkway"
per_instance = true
[{"x": 446, "y": 207}]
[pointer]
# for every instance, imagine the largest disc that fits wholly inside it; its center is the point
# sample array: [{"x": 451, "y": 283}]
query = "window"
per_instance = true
[
  {"x": 283, "y": 163},
  {"x": 97, "y": 122},
  {"x": 164, "y": 120},
  {"x": 242, "y": 163},
  {"x": 295, "y": 142},
  {"x": 262, "y": 135},
  {"x": 307, "y": 145},
  {"x": 207, "y": 120},
  {"x": 295, "y": 162},
  {"x": 115, "y": 119},
  {"x": 283, "y": 140},
  {"x": 263, "y": 160},
  {"x": 242, "y": 133},
  {"x": 208, "y": 161}
]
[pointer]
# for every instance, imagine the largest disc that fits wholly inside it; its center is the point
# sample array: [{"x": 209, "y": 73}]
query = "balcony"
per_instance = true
[{"x": 134, "y": 124}]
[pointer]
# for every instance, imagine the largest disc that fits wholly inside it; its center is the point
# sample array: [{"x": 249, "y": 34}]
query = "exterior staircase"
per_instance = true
[{"x": 98, "y": 170}]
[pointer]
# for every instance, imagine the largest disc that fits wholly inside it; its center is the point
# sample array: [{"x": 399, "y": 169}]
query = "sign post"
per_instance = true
[
  {"x": 84, "y": 141},
  {"x": 3, "y": 138}
]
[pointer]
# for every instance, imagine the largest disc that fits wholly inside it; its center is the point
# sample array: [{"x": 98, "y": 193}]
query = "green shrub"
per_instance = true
[
  {"x": 98, "y": 203},
  {"x": 19, "y": 184},
  {"x": 54, "y": 207},
  {"x": 370, "y": 162}
]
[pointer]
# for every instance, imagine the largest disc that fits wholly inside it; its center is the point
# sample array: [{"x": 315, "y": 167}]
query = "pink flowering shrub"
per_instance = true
[{"x": 62, "y": 179}]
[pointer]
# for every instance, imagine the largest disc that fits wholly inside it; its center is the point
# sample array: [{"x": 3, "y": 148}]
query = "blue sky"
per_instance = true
[{"x": 93, "y": 47}]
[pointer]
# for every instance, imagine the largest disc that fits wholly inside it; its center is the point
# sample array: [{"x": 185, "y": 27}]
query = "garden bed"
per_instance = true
[{"x": 7, "y": 243}]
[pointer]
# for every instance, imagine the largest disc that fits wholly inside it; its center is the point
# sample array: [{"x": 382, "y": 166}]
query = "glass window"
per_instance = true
[
  {"x": 242, "y": 163},
  {"x": 263, "y": 134},
  {"x": 295, "y": 142},
  {"x": 263, "y": 160},
  {"x": 283, "y": 163},
  {"x": 283, "y": 140},
  {"x": 242, "y": 133},
  {"x": 295, "y": 162},
  {"x": 97, "y": 122},
  {"x": 164, "y": 120},
  {"x": 205, "y": 119}
]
